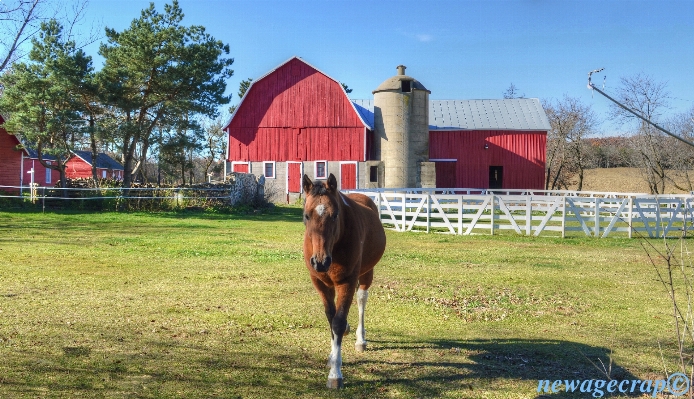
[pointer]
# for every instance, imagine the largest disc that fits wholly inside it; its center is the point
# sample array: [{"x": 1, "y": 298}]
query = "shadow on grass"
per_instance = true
[
  {"x": 482, "y": 362},
  {"x": 259, "y": 368}
]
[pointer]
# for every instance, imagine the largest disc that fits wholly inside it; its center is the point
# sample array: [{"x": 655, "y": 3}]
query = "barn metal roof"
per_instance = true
[
  {"x": 503, "y": 114},
  {"x": 506, "y": 114}
]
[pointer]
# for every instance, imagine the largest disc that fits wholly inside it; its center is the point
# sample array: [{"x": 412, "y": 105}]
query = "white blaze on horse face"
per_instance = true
[
  {"x": 320, "y": 209},
  {"x": 335, "y": 360}
]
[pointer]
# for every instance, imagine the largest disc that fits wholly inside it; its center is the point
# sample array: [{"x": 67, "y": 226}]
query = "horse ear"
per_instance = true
[
  {"x": 307, "y": 184},
  {"x": 332, "y": 182}
]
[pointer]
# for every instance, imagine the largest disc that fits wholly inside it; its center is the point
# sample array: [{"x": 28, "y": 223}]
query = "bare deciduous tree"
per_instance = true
[
  {"x": 567, "y": 149},
  {"x": 214, "y": 148},
  {"x": 512, "y": 92},
  {"x": 650, "y": 99},
  {"x": 20, "y": 21},
  {"x": 681, "y": 155}
]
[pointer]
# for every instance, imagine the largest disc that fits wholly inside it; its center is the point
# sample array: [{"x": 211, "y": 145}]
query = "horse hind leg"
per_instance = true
[
  {"x": 360, "y": 344},
  {"x": 362, "y": 296}
]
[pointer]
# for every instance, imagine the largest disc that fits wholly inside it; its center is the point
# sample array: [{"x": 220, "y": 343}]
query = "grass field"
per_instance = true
[
  {"x": 204, "y": 305},
  {"x": 624, "y": 180}
]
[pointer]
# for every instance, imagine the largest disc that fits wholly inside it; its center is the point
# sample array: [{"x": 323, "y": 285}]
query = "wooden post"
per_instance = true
[
  {"x": 428, "y": 211},
  {"x": 460, "y": 215},
  {"x": 378, "y": 205},
  {"x": 404, "y": 211},
  {"x": 491, "y": 217},
  {"x": 563, "y": 216},
  {"x": 528, "y": 215},
  {"x": 631, "y": 210},
  {"x": 596, "y": 230}
]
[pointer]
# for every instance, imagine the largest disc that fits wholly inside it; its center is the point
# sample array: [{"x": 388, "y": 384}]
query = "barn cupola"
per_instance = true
[{"x": 401, "y": 129}]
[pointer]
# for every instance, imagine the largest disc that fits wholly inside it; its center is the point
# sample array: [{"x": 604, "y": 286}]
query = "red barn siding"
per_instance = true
[
  {"x": 39, "y": 173},
  {"x": 10, "y": 159},
  {"x": 296, "y": 113},
  {"x": 522, "y": 154},
  {"x": 76, "y": 167}
]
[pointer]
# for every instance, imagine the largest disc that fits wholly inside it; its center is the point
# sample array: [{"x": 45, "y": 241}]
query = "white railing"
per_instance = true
[{"x": 533, "y": 212}]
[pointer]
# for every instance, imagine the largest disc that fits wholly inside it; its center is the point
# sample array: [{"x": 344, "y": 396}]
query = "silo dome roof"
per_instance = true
[{"x": 393, "y": 83}]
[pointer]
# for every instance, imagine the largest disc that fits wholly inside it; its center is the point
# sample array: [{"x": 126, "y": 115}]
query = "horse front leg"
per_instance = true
[
  {"x": 327, "y": 296},
  {"x": 345, "y": 293}
]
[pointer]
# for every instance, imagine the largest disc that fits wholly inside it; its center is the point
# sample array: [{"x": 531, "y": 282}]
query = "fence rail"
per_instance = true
[{"x": 546, "y": 213}]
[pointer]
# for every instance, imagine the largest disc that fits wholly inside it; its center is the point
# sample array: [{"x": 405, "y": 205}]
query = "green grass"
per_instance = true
[{"x": 203, "y": 305}]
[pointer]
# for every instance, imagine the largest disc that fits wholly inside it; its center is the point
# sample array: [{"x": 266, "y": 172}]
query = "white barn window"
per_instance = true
[
  {"x": 48, "y": 173},
  {"x": 269, "y": 169},
  {"x": 321, "y": 170}
]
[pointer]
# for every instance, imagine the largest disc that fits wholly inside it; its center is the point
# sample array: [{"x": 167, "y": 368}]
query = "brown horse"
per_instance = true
[{"x": 344, "y": 240}]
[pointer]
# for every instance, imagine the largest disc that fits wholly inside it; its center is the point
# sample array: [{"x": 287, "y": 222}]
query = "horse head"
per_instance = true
[{"x": 322, "y": 220}]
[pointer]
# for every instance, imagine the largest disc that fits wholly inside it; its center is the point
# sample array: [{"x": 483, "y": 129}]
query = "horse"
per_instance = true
[{"x": 343, "y": 241}]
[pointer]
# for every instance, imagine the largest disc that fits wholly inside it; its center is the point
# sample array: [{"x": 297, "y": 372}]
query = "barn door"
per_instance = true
[
  {"x": 446, "y": 176},
  {"x": 239, "y": 167},
  {"x": 348, "y": 176},
  {"x": 496, "y": 177},
  {"x": 294, "y": 177}
]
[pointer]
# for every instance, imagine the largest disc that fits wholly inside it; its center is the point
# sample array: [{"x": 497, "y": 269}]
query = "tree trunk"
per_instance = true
[{"x": 95, "y": 153}]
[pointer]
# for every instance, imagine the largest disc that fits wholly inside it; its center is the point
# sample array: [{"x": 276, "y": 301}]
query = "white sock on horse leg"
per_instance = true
[
  {"x": 362, "y": 296},
  {"x": 335, "y": 360}
]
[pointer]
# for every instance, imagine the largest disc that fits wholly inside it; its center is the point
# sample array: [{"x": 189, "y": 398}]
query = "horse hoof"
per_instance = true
[
  {"x": 347, "y": 330},
  {"x": 360, "y": 347},
  {"x": 335, "y": 383}
]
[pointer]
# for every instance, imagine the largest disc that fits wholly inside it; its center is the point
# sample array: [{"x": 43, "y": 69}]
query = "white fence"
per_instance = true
[{"x": 547, "y": 213}]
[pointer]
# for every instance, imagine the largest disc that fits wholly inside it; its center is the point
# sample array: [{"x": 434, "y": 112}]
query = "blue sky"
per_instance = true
[{"x": 457, "y": 49}]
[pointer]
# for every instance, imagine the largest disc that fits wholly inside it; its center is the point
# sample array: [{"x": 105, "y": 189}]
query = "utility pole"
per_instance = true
[{"x": 631, "y": 111}]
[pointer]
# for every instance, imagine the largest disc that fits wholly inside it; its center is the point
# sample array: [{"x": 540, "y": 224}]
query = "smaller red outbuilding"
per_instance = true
[{"x": 80, "y": 166}]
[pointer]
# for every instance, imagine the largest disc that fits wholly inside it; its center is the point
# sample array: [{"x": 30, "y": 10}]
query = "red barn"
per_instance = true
[
  {"x": 80, "y": 166},
  {"x": 10, "y": 159},
  {"x": 18, "y": 165},
  {"x": 296, "y": 120},
  {"x": 495, "y": 144}
]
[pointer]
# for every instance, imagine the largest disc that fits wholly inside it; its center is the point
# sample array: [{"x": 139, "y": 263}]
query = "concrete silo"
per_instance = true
[{"x": 401, "y": 119}]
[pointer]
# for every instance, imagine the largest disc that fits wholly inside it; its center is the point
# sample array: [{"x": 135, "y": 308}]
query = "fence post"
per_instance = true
[
  {"x": 528, "y": 215},
  {"x": 563, "y": 216},
  {"x": 404, "y": 211},
  {"x": 428, "y": 211},
  {"x": 460, "y": 215},
  {"x": 491, "y": 218},
  {"x": 631, "y": 210},
  {"x": 596, "y": 230},
  {"x": 378, "y": 205}
]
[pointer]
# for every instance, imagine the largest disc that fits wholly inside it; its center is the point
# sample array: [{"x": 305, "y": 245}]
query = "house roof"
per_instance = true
[
  {"x": 504, "y": 114},
  {"x": 103, "y": 161},
  {"x": 33, "y": 154}
]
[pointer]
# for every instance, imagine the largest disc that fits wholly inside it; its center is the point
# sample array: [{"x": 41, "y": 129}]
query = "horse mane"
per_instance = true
[{"x": 318, "y": 190}]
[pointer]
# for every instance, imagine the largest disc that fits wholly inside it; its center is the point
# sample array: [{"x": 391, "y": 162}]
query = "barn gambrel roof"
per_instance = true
[
  {"x": 524, "y": 114},
  {"x": 250, "y": 87}
]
